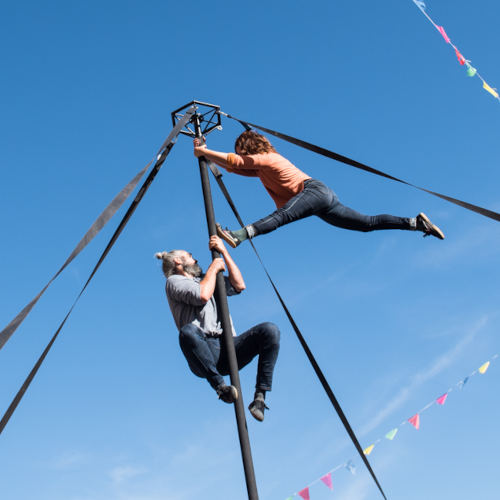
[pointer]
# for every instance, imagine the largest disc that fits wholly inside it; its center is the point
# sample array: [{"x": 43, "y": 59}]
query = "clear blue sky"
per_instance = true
[{"x": 394, "y": 319}]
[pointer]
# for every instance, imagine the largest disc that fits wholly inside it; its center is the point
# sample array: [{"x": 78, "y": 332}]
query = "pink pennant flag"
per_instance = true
[
  {"x": 327, "y": 479},
  {"x": 443, "y": 32},
  {"x": 305, "y": 493},
  {"x": 441, "y": 399},
  {"x": 460, "y": 57},
  {"x": 415, "y": 421}
]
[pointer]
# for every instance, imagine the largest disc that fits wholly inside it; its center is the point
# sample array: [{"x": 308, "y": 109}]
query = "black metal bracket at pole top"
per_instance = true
[{"x": 208, "y": 117}]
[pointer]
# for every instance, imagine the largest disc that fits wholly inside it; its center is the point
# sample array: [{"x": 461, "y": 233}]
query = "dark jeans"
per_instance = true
[
  {"x": 207, "y": 359},
  {"x": 318, "y": 199}
]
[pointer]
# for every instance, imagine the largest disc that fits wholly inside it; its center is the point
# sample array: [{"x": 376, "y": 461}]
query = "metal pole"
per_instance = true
[{"x": 227, "y": 336}]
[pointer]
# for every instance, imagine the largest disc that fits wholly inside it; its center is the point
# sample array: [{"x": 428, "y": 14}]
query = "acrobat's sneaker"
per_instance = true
[
  {"x": 257, "y": 407},
  {"x": 427, "y": 227},
  {"x": 227, "y": 236},
  {"x": 227, "y": 393}
]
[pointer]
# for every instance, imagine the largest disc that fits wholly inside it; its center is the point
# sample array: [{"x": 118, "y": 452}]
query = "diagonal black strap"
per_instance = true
[
  {"x": 353, "y": 163},
  {"x": 303, "y": 343},
  {"x": 142, "y": 191},
  {"x": 99, "y": 223}
]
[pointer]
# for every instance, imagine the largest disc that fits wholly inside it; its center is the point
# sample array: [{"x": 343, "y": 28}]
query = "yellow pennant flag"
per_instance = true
[
  {"x": 368, "y": 450},
  {"x": 493, "y": 92},
  {"x": 483, "y": 368}
]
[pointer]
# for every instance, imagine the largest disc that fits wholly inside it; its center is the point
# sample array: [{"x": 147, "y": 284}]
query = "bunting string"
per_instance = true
[
  {"x": 469, "y": 69},
  {"x": 327, "y": 478}
]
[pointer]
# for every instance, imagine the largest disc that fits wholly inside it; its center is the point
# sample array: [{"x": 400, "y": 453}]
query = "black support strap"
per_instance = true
[
  {"x": 96, "y": 227},
  {"x": 164, "y": 151},
  {"x": 100, "y": 222},
  {"x": 303, "y": 343},
  {"x": 353, "y": 163}
]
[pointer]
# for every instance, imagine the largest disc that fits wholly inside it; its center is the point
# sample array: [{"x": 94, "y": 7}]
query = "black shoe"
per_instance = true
[
  {"x": 227, "y": 393},
  {"x": 257, "y": 407},
  {"x": 227, "y": 236},
  {"x": 427, "y": 227}
]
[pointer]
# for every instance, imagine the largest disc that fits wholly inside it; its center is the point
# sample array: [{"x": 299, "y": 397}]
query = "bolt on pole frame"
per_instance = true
[{"x": 203, "y": 123}]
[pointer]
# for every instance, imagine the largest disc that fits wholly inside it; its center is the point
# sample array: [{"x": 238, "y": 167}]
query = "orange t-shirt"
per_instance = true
[{"x": 281, "y": 178}]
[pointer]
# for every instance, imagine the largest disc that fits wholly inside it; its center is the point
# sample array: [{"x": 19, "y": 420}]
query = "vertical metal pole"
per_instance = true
[{"x": 227, "y": 336}]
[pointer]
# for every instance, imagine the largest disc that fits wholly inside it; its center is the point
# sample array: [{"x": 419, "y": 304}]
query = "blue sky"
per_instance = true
[{"x": 394, "y": 320}]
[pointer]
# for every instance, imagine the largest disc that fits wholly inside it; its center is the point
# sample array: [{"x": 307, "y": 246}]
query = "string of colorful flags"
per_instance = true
[
  {"x": 414, "y": 420},
  {"x": 470, "y": 70}
]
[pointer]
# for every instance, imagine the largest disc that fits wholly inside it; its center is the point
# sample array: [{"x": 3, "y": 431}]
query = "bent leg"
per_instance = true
[
  {"x": 201, "y": 359},
  {"x": 314, "y": 198},
  {"x": 262, "y": 340},
  {"x": 341, "y": 216}
]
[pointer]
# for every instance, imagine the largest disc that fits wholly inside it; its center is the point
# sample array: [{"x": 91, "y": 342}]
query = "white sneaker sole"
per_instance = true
[{"x": 226, "y": 236}]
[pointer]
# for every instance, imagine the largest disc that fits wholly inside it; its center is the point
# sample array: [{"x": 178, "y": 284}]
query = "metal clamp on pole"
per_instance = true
[{"x": 206, "y": 119}]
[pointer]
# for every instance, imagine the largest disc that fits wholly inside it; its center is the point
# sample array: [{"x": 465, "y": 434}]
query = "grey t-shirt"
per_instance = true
[{"x": 185, "y": 302}]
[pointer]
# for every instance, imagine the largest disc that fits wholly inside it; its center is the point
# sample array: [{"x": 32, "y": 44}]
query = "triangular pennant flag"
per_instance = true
[
  {"x": 441, "y": 399},
  {"x": 415, "y": 421},
  {"x": 304, "y": 493},
  {"x": 327, "y": 479},
  {"x": 463, "y": 382},
  {"x": 471, "y": 71},
  {"x": 483, "y": 368},
  {"x": 351, "y": 467},
  {"x": 493, "y": 92},
  {"x": 460, "y": 57},
  {"x": 369, "y": 449},
  {"x": 443, "y": 32},
  {"x": 419, "y": 4},
  {"x": 391, "y": 434}
]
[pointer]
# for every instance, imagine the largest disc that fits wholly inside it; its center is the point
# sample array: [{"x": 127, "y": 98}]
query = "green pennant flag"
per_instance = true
[
  {"x": 390, "y": 435},
  {"x": 471, "y": 71}
]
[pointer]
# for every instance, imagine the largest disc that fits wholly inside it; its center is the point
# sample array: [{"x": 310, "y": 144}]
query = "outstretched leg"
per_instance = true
[
  {"x": 318, "y": 199},
  {"x": 341, "y": 216},
  {"x": 313, "y": 199}
]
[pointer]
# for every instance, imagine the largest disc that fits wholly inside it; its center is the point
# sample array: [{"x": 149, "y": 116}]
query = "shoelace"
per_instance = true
[
  {"x": 427, "y": 229},
  {"x": 260, "y": 404}
]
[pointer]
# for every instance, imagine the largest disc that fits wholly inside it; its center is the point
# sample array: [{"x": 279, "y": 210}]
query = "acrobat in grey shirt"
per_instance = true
[{"x": 184, "y": 299}]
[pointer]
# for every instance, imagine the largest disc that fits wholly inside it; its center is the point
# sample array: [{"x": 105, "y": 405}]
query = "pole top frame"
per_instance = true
[{"x": 208, "y": 116}]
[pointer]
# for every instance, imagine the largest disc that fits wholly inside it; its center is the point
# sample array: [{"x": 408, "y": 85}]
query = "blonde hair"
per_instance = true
[
  {"x": 251, "y": 143},
  {"x": 167, "y": 258}
]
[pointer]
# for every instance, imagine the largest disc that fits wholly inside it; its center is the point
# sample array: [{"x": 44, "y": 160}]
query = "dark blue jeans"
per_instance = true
[
  {"x": 207, "y": 359},
  {"x": 318, "y": 199}
]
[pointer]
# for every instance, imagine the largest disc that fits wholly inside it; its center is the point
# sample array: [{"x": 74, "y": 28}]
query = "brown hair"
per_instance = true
[{"x": 251, "y": 143}]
